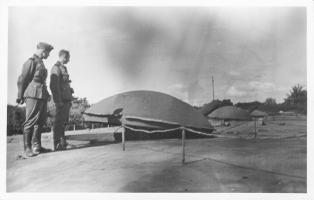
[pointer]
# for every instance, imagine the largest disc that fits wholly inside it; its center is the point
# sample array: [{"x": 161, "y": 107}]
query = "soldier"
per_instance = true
[
  {"x": 33, "y": 91},
  {"x": 62, "y": 97}
]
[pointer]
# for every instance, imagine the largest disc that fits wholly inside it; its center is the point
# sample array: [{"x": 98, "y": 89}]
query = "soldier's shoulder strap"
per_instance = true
[
  {"x": 31, "y": 68},
  {"x": 34, "y": 63},
  {"x": 33, "y": 59}
]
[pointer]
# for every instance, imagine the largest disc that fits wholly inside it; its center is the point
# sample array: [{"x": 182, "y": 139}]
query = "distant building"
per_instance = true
[
  {"x": 259, "y": 116},
  {"x": 223, "y": 116}
]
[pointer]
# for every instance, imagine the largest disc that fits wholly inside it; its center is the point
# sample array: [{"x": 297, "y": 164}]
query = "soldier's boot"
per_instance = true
[
  {"x": 29, "y": 152},
  {"x": 56, "y": 145},
  {"x": 63, "y": 143},
  {"x": 27, "y": 144},
  {"x": 36, "y": 140},
  {"x": 56, "y": 139}
]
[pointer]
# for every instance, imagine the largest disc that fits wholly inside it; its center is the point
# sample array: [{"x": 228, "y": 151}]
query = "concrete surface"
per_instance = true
[{"x": 275, "y": 162}]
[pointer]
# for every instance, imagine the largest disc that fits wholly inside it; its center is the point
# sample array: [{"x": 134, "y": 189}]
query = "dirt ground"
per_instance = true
[{"x": 236, "y": 162}]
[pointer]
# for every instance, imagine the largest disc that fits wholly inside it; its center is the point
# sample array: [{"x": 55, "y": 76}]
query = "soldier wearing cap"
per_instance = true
[
  {"x": 62, "y": 97},
  {"x": 33, "y": 91}
]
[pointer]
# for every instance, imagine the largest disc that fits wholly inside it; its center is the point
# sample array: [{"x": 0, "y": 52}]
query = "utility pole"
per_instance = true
[{"x": 213, "y": 88}]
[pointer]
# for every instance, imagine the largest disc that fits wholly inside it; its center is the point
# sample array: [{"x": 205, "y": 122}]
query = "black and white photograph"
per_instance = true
[{"x": 157, "y": 99}]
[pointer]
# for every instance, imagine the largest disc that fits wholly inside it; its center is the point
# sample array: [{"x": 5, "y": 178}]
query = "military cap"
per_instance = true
[{"x": 45, "y": 46}]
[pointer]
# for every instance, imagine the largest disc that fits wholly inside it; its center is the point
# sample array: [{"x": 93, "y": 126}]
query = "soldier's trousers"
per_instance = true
[
  {"x": 60, "y": 121},
  {"x": 36, "y": 115}
]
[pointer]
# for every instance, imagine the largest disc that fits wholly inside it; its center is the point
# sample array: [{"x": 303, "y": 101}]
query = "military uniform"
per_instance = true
[
  {"x": 32, "y": 87},
  {"x": 62, "y": 97}
]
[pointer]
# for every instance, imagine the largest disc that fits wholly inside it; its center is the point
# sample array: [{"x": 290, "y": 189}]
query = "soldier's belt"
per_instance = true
[{"x": 39, "y": 81}]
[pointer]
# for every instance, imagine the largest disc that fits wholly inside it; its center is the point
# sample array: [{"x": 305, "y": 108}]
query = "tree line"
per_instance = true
[{"x": 296, "y": 101}]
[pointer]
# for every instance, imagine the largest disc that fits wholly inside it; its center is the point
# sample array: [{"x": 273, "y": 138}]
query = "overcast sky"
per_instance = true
[{"x": 253, "y": 53}]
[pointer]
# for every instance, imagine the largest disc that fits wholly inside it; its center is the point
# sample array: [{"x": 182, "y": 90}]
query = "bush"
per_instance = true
[{"x": 15, "y": 119}]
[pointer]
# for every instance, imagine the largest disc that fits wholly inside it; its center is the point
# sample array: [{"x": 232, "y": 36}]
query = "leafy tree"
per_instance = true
[
  {"x": 249, "y": 105},
  {"x": 270, "y": 101},
  {"x": 211, "y": 106},
  {"x": 15, "y": 119},
  {"x": 297, "y": 96},
  {"x": 227, "y": 102},
  {"x": 297, "y": 99}
]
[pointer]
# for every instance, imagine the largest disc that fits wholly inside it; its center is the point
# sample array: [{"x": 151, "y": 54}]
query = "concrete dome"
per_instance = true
[{"x": 150, "y": 110}]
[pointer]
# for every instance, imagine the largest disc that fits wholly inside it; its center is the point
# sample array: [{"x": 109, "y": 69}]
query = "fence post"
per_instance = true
[
  {"x": 123, "y": 138},
  {"x": 183, "y": 145},
  {"x": 255, "y": 128}
]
